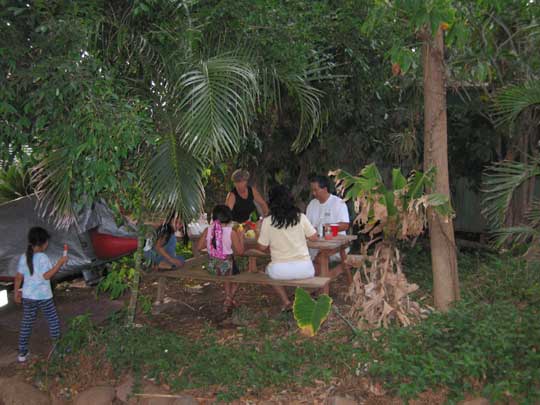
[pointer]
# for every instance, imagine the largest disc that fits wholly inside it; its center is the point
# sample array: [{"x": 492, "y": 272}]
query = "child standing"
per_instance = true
[
  {"x": 36, "y": 270},
  {"x": 222, "y": 242}
]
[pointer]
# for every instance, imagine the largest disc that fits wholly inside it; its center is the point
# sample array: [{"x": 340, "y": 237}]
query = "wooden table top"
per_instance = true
[{"x": 321, "y": 244}]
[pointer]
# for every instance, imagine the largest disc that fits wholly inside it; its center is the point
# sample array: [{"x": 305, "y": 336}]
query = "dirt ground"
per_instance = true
[{"x": 189, "y": 308}]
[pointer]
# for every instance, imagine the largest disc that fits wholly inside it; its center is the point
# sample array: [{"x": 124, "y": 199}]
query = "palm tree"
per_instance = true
[
  {"x": 202, "y": 107},
  {"x": 501, "y": 180}
]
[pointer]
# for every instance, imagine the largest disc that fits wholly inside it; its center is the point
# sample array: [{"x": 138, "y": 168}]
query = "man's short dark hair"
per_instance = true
[{"x": 322, "y": 181}]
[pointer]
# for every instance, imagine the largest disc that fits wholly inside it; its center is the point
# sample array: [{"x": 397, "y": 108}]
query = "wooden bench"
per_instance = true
[{"x": 192, "y": 269}]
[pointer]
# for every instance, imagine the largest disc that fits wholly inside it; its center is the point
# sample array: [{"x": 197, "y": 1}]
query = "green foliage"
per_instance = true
[
  {"x": 310, "y": 314},
  {"x": 81, "y": 332},
  {"x": 184, "y": 250},
  {"x": 252, "y": 363},
  {"x": 145, "y": 303},
  {"x": 494, "y": 345},
  {"x": 14, "y": 183},
  {"x": 119, "y": 278},
  {"x": 499, "y": 182},
  {"x": 397, "y": 211},
  {"x": 487, "y": 345},
  {"x": 502, "y": 279},
  {"x": 512, "y": 101}
]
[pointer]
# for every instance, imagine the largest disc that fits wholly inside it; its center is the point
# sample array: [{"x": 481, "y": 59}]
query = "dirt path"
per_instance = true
[{"x": 70, "y": 302}]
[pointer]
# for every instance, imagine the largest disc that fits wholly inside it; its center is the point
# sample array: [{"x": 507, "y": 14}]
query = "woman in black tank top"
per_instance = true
[
  {"x": 241, "y": 200},
  {"x": 243, "y": 208}
]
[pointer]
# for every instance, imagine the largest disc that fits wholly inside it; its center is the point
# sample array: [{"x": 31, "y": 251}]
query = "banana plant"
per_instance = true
[
  {"x": 397, "y": 211},
  {"x": 380, "y": 292}
]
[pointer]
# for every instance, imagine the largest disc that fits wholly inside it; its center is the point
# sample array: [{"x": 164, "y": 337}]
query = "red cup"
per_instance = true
[{"x": 334, "y": 229}]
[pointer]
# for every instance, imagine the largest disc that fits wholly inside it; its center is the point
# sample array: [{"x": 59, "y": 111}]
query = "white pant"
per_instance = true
[{"x": 291, "y": 270}]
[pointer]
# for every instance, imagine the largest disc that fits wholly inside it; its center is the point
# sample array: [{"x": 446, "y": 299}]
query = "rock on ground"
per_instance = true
[
  {"x": 475, "y": 401},
  {"x": 103, "y": 395},
  {"x": 8, "y": 358},
  {"x": 16, "y": 392},
  {"x": 157, "y": 400},
  {"x": 340, "y": 401},
  {"x": 125, "y": 389}
]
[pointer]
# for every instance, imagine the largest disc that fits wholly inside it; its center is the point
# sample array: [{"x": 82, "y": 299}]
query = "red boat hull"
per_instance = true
[{"x": 109, "y": 247}]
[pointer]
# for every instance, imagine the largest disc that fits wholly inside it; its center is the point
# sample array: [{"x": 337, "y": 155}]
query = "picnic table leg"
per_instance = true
[
  {"x": 346, "y": 267},
  {"x": 160, "y": 291},
  {"x": 324, "y": 260},
  {"x": 194, "y": 243},
  {"x": 252, "y": 264}
]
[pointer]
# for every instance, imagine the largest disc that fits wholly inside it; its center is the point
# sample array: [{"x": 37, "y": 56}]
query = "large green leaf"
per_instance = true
[{"x": 310, "y": 314}]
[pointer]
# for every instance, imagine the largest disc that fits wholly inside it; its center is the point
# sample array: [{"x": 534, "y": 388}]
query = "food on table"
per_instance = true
[{"x": 250, "y": 234}]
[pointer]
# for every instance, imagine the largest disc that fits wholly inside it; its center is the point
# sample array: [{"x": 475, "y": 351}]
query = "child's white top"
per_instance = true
[{"x": 35, "y": 287}]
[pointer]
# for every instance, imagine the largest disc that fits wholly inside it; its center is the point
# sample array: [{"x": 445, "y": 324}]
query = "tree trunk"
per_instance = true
[
  {"x": 441, "y": 231},
  {"x": 132, "y": 307}
]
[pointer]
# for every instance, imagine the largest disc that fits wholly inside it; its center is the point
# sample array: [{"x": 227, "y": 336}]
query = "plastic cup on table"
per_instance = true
[{"x": 334, "y": 228}]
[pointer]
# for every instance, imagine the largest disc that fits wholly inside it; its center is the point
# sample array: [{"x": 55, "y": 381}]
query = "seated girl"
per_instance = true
[
  {"x": 222, "y": 242},
  {"x": 163, "y": 254},
  {"x": 284, "y": 232}
]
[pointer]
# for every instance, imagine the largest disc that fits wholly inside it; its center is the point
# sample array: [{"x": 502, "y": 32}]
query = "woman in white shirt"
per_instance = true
[{"x": 284, "y": 232}]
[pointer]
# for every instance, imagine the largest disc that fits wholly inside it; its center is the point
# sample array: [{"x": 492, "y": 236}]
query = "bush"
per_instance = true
[{"x": 489, "y": 341}]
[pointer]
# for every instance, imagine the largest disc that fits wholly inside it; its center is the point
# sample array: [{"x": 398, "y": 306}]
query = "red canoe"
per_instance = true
[{"x": 109, "y": 246}]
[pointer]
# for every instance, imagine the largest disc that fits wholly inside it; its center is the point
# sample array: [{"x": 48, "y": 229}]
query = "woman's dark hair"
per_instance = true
[
  {"x": 165, "y": 230},
  {"x": 283, "y": 211},
  {"x": 37, "y": 236},
  {"x": 223, "y": 214}
]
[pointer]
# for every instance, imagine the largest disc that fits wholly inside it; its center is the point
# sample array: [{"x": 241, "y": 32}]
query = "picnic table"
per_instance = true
[{"x": 327, "y": 248}]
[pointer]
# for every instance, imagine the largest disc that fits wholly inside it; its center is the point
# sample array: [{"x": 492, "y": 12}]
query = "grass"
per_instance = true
[
  {"x": 489, "y": 344},
  {"x": 254, "y": 361}
]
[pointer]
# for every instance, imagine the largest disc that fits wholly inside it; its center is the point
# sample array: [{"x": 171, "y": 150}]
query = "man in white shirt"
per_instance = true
[{"x": 326, "y": 209}]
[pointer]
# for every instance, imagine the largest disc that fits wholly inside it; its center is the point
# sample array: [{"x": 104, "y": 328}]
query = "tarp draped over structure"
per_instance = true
[{"x": 18, "y": 216}]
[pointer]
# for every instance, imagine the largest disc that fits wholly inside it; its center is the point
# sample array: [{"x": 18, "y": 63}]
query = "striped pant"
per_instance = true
[{"x": 30, "y": 309}]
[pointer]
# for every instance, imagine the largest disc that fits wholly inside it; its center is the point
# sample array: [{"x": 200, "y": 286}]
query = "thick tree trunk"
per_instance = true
[{"x": 441, "y": 231}]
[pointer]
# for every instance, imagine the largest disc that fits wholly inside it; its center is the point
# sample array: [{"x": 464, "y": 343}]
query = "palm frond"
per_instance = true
[
  {"x": 516, "y": 234},
  {"x": 172, "y": 180},
  {"x": 533, "y": 215},
  {"x": 512, "y": 101},
  {"x": 309, "y": 103},
  {"x": 52, "y": 184},
  {"x": 499, "y": 182},
  {"x": 218, "y": 101}
]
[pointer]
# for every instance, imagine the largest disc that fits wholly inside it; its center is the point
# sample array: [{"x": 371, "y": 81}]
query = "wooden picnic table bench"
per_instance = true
[
  {"x": 327, "y": 248},
  {"x": 192, "y": 269}
]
